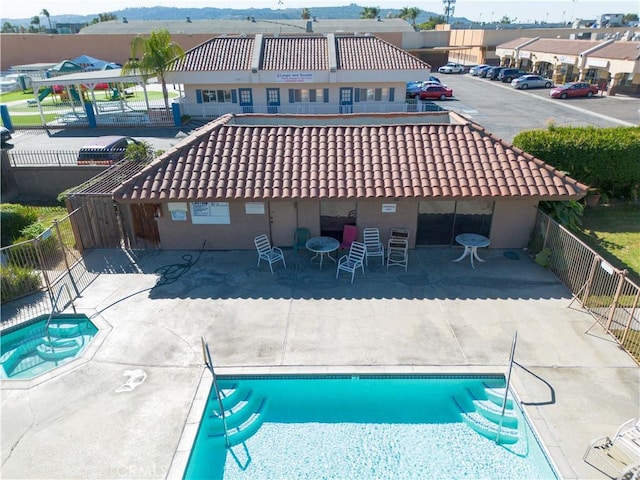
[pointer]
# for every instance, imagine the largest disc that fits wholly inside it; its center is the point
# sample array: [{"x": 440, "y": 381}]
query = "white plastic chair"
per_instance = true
[
  {"x": 354, "y": 260},
  {"x": 371, "y": 237},
  {"x": 267, "y": 252},
  {"x": 620, "y": 452}
]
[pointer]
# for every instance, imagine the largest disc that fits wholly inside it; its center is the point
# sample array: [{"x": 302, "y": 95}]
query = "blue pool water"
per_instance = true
[
  {"x": 32, "y": 349},
  {"x": 364, "y": 427}
]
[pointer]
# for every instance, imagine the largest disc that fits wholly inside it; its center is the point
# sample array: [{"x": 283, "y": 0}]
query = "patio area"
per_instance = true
[{"x": 437, "y": 317}]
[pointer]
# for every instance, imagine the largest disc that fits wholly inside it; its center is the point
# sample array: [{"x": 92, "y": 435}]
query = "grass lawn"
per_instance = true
[{"x": 613, "y": 231}]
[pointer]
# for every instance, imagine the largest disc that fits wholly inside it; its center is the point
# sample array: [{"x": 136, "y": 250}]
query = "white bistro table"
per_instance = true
[
  {"x": 471, "y": 243},
  {"x": 322, "y": 246}
]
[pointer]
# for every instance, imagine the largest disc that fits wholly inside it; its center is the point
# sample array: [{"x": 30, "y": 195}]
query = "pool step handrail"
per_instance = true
[
  {"x": 209, "y": 364},
  {"x": 54, "y": 306},
  {"x": 506, "y": 389}
]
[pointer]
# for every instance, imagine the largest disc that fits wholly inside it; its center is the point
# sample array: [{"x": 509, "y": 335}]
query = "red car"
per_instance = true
[
  {"x": 574, "y": 89},
  {"x": 435, "y": 92}
]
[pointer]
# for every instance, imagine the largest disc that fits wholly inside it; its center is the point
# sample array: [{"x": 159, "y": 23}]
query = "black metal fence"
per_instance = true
[{"x": 28, "y": 158}]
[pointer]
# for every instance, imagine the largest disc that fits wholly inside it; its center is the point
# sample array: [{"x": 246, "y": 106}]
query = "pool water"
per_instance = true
[
  {"x": 32, "y": 349},
  {"x": 364, "y": 427}
]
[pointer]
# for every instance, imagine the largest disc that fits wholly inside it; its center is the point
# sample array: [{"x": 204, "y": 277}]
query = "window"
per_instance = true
[
  {"x": 626, "y": 80},
  {"x": 308, "y": 95},
  {"x": 216, "y": 96},
  {"x": 373, "y": 95}
]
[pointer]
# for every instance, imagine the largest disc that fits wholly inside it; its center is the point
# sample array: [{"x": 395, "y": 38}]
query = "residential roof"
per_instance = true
[
  {"x": 297, "y": 52},
  {"x": 251, "y": 26},
  {"x": 259, "y": 157}
]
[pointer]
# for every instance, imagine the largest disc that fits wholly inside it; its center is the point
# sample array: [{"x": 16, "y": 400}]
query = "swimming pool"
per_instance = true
[
  {"x": 364, "y": 427},
  {"x": 34, "y": 348}
]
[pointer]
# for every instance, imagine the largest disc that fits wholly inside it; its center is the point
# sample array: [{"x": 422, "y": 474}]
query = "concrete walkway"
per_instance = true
[{"x": 439, "y": 317}]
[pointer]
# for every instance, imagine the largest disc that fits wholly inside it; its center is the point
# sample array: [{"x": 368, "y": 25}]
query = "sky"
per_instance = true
[{"x": 477, "y": 10}]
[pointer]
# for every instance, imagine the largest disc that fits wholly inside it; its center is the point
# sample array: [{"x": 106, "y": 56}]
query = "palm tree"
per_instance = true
[
  {"x": 410, "y": 13},
  {"x": 370, "y": 12},
  {"x": 45, "y": 12},
  {"x": 151, "y": 56},
  {"x": 306, "y": 14},
  {"x": 35, "y": 23}
]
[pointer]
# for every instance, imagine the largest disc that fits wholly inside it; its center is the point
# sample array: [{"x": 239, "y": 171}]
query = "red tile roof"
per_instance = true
[
  {"x": 301, "y": 52},
  {"x": 241, "y": 157},
  {"x": 620, "y": 50}
]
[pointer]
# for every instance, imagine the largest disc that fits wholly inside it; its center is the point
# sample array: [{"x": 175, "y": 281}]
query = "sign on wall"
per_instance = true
[
  {"x": 178, "y": 211},
  {"x": 388, "y": 208},
  {"x": 254, "y": 208},
  {"x": 216, "y": 213},
  {"x": 294, "y": 77}
]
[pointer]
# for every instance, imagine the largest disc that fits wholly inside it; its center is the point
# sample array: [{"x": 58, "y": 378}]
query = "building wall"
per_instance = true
[
  {"x": 48, "y": 182},
  {"x": 512, "y": 224}
]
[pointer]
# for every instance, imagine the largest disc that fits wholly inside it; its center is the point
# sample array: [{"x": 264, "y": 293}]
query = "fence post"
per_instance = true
[
  {"x": 589, "y": 282},
  {"x": 616, "y": 297},
  {"x": 36, "y": 243},
  {"x": 66, "y": 260},
  {"x": 631, "y": 314}
]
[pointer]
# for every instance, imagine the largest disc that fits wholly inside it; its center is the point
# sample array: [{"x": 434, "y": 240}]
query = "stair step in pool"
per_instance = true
[
  {"x": 242, "y": 432},
  {"x": 236, "y": 415},
  {"x": 57, "y": 353},
  {"x": 488, "y": 429},
  {"x": 496, "y": 395},
  {"x": 64, "y": 329},
  {"x": 493, "y": 412}
]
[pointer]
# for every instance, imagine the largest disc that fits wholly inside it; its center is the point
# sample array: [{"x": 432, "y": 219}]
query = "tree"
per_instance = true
[
  {"x": 410, "y": 13},
  {"x": 305, "y": 14},
  {"x": 34, "y": 24},
  {"x": 370, "y": 12},
  {"x": 45, "y": 12},
  {"x": 139, "y": 152},
  {"x": 151, "y": 56},
  {"x": 104, "y": 17},
  {"x": 630, "y": 17},
  {"x": 8, "y": 28},
  {"x": 432, "y": 22},
  {"x": 505, "y": 20}
]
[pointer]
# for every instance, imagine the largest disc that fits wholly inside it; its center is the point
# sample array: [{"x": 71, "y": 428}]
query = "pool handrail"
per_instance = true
[
  {"x": 54, "y": 306},
  {"x": 506, "y": 388},
  {"x": 209, "y": 364}
]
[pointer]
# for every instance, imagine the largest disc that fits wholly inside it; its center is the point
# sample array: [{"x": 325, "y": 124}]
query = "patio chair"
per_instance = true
[
  {"x": 398, "y": 252},
  {"x": 300, "y": 237},
  {"x": 397, "y": 232},
  {"x": 620, "y": 452},
  {"x": 371, "y": 237},
  {"x": 354, "y": 260},
  {"x": 349, "y": 235},
  {"x": 267, "y": 252}
]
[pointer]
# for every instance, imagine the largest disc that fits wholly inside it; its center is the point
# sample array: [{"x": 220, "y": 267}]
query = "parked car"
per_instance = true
[
  {"x": 413, "y": 88},
  {"x": 451, "y": 68},
  {"x": 509, "y": 74},
  {"x": 482, "y": 72},
  {"x": 105, "y": 150},
  {"x": 574, "y": 89},
  {"x": 6, "y": 134},
  {"x": 435, "y": 92},
  {"x": 531, "y": 81},
  {"x": 475, "y": 70},
  {"x": 494, "y": 72}
]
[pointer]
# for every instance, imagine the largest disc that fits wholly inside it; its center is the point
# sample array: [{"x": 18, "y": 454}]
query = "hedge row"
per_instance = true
[
  {"x": 13, "y": 219},
  {"x": 604, "y": 158}
]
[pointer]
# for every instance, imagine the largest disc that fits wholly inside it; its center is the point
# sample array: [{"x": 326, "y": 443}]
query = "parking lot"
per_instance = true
[{"x": 505, "y": 111}]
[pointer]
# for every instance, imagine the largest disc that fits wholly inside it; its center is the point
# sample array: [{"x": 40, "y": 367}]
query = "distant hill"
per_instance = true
[{"x": 168, "y": 13}]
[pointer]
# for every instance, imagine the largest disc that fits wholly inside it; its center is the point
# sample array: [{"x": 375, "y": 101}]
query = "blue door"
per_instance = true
[
  {"x": 346, "y": 100},
  {"x": 246, "y": 100},
  {"x": 273, "y": 100}
]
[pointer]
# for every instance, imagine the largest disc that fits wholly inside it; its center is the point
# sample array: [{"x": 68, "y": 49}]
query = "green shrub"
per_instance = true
[
  {"x": 605, "y": 158},
  {"x": 14, "y": 218},
  {"x": 25, "y": 255},
  {"x": 17, "y": 281}
]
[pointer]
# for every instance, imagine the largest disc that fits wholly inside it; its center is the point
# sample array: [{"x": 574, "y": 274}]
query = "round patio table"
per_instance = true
[
  {"x": 471, "y": 243},
  {"x": 322, "y": 246}
]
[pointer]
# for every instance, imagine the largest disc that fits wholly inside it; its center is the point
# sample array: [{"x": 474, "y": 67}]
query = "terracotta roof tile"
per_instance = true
[
  {"x": 296, "y": 52},
  {"x": 228, "y": 160}
]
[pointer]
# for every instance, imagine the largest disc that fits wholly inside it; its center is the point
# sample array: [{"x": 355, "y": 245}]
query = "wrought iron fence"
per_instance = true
[
  {"x": 603, "y": 290},
  {"x": 42, "y": 264},
  {"x": 28, "y": 158}
]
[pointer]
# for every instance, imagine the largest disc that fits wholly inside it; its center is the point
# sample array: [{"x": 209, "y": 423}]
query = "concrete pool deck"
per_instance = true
[{"x": 438, "y": 317}]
